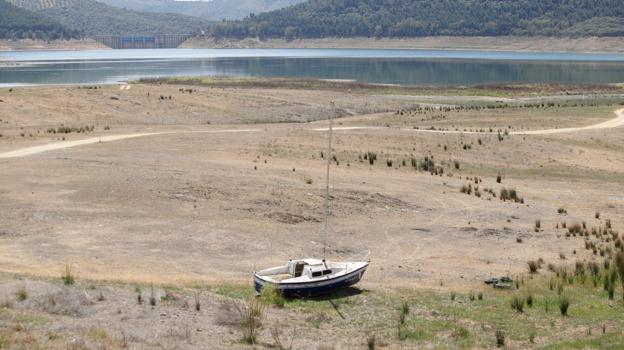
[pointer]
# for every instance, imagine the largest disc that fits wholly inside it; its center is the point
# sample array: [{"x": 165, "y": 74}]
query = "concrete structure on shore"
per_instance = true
[{"x": 157, "y": 41}]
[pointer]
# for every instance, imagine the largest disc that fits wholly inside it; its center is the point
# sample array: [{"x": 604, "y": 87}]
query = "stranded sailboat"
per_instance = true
[{"x": 310, "y": 277}]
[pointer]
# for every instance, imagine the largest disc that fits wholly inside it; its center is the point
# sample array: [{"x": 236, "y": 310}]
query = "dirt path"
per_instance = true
[
  {"x": 68, "y": 144},
  {"x": 612, "y": 123}
]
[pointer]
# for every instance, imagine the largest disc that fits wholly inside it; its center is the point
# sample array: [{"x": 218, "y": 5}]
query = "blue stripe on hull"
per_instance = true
[{"x": 295, "y": 292}]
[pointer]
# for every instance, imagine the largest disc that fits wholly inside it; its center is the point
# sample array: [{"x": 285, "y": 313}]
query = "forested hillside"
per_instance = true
[
  {"x": 95, "y": 18},
  {"x": 17, "y": 23},
  {"x": 412, "y": 18},
  {"x": 215, "y": 10}
]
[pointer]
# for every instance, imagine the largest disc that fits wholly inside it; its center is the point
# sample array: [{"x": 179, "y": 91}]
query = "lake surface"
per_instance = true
[{"x": 416, "y": 67}]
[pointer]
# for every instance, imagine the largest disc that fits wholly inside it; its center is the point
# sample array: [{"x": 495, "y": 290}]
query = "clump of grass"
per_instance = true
[
  {"x": 169, "y": 296},
  {"x": 562, "y": 211},
  {"x": 152, "y": 298},
  {"x": 619, "y": 264},
  {"x": 404, "y": 311},
  {"x": 197, "y": 302},
  {"x": 389, "y": 163},
  {"x": 67, "y": 276},
  {"x": 271, "y": 296},
  {"x": 529, "y": 300},
  {"x": 564, "y": 304},
  {"x": 251, "y": 316},
  {"x": 467, "y": 189},
  {"x": 480, "y": 296},
  {"x": 22, "y": 294},
  {"x": 517, "y": 304},
  {"x": 6, "y": 304},
  {"x": 499, "y": 178},
  {"x": 453, "y": 295},
  {"x": 510, "y": 195},
  {"x": 308, "y": 180},
  {"x": 500, "y": 338},
  {"x": 538, "y": 225},
  {"x": 276, "y": 334},
  {"x": 533, "y": 266},
  {"x": 461, "y": 332},
  {"x": 371, "y": 342},
  {"x": 575, "y": 229},
  {"x": 371, "y": 156}
]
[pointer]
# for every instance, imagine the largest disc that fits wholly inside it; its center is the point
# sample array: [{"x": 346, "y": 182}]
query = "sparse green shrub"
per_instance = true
[
  {"x": 564, "y": 304},
  {"x": 22, "y": 294},
  {"x": 529, "y": 300},
  {"x": 271, "y": 296},
  {"x": 453, "y": 295},
  {"x": 610, "y": 289},
  {"x": 480, "y": 296},
  {"x": 517, "y": 304},
  {"x": 404, "y": 311}
]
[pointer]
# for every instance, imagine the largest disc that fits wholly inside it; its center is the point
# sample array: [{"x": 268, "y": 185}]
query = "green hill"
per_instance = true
[
  {"x": 17, "y": 23},
  {"x": 413, "y": 18},
  {"x": 95, "y": 18},
  {"x": 215, "y": 10}
]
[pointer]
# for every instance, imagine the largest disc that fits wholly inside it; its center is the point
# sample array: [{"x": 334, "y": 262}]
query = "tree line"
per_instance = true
[
  {"x": 415, "y": 18},
  {"x": 17, "y": 23}
]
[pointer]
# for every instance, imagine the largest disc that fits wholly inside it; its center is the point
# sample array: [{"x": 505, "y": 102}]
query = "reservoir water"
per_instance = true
[{"x": 413, "y": 67}]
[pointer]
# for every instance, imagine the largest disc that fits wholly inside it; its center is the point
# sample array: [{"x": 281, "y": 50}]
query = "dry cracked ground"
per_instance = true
[{"x": 196, "y": 204}]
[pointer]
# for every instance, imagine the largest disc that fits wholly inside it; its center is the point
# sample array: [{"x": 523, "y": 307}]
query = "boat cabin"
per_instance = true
[{"x": 310, "y": 268}]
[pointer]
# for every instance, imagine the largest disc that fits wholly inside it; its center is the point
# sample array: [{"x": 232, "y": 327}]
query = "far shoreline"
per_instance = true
[{"x": 605, "y": 45}]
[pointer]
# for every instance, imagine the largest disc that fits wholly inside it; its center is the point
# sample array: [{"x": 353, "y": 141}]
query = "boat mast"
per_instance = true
[{"x": 329, "y": 159}]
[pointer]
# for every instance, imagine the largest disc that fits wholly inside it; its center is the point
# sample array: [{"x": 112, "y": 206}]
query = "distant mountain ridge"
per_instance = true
[
  {"x": 94, "y": 18},
  {"x": 18, "y": 23},
  {"x": 215, "y": 10},
  {"x": 415, "y": 18}
]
